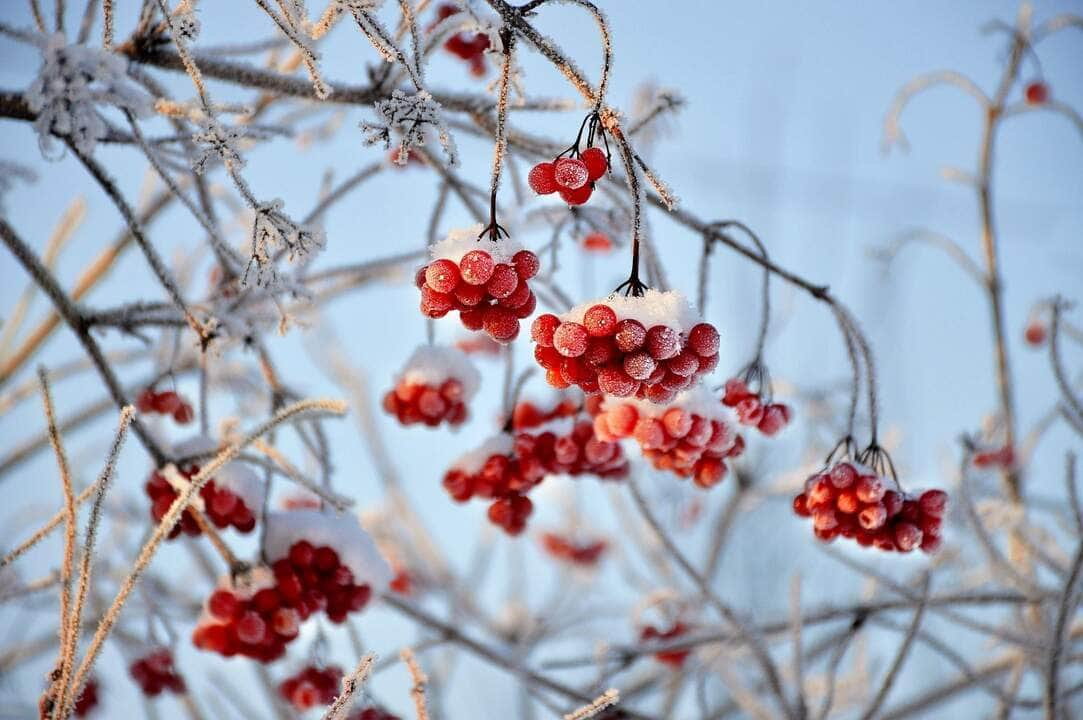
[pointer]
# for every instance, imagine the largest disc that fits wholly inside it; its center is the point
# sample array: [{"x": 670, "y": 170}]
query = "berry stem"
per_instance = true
[{"x": 500, "y": 146}]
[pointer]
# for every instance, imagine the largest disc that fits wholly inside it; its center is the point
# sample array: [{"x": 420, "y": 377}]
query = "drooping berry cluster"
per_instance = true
[
  {"x": 311, "y": 686},
  {"x": 672, "y": 658},
  {"x": 155, "y": 672},
  {"x": 496, "y": 472},
  {"x": 583, "y": 553},
  {"x": 467, "y": 46},
  {"x": 166, "y": 402},
  {"x": 651, "y": 346},
  {"x": 485, "y": 281},
  {"x": 572, "y": 177},
  {"x": 753, "y": 409},
  {"x": 690, "y": 437},
  {"x": 227, "y": 500},
  {"x": 434, "y": 387},
  {"x": 850, "y": 500},
  {"x": 333, "y": 573}
]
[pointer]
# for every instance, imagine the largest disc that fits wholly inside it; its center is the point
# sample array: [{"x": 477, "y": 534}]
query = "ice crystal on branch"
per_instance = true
[
  {"x": 72, "y": 82},
  {"x": 216, "y": 140},
  {"x": 410, "y": 117},
  {"x": 272, "y": 231},
  {"x": 183, "y": 23}
]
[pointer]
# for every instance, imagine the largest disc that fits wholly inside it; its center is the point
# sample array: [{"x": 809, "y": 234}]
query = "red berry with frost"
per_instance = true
[
  {"x": 600, "y": 320},
  {"x": 503, "y": 282},
  {"x": 736, "y": 391},
  {"x": 570, "y": 339},
  {"x": 542, "y": 178},
  {"x": 595, "y": 161},
  {"x": 543, "y": 329},
  {"x": 704, "y": 339},
  {"x": 442, "y": 275},
  {"x": 663, "y": 342},
  {"x": 933, "y": 502},
  {"x": 526, "y": 264},
  {"x": 750, "y": 411},
  {"x": 571, "y": 173},
  {"x": 616, "y": 382},
  {"x": 500, "y": 323},
  {"x": 476, "y": 267},
  {"x": 577, "y": 197},
  {"x": 630, "y": 335}
]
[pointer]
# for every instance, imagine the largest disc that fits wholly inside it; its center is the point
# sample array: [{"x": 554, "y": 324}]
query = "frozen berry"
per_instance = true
[
  {"x": 542, "y": 178},
  {"x": 595, "y": 160},
  {"x": 442, "y": 275},
  {"x": 476, "y": 267},
  {"x": 600, "y": 320},
  {"x": 571, "y": 173}
]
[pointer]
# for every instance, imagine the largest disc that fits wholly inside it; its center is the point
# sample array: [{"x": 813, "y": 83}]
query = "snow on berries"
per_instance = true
[
  {"x": 435, "y": 386},
  {"x": 154, "y": 672},
  {"x": 485, "y": 281},
  {"x": 754, "y": 409},
  {"x": 319, "y": 563},
  {"x": 311, "y": 686},
  {"x": 691, "y": 436},
  {"x": 651, "y": 346},
  {"x": 166, "y": 402},
  {"x": 852, "y": 501},
  {"x": 230, "y": 499},
  {"x": 673, "y": 658},
  {"x": 580, "y": 553}
]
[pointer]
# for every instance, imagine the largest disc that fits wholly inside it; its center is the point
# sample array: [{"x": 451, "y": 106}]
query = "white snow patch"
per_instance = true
[
  {"x": 343, "y": 533},
  {"x": 462, "y": 240},
  {"x": 471, "y": 462},
  {"x": 195, "y": 445},
  {"x": 433, "y": 364},
  {"x": 653, "y": 308}
]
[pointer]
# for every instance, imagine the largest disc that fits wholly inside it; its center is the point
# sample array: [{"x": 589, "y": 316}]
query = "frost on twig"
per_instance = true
[
  {"x": 273, "y": 231},
  {"x": 72, "y": 82},
  {"x": 411, "y": 118},
  {"x": 218, "y": 141}
]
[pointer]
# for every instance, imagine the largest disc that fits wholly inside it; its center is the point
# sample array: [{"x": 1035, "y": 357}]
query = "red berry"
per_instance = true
[
  {"x": 869, "y": 489},
  {"x": 222, "y": 604},
  {"x": 1036, "y": 93},
  {"x": 167, "y": 402},
  {"x": 145, "y": 402},
  {"x": 600, "y": 320},
  {"x": 597, "y": 242},
  {"x": 442, "y": 275},
  {"x": 736, "y": 391},
  {"x": 183, "y": 414},
  {"x": 663, "y": 342},
  {"x": 750, "y": 411},
  {"x": 907, "y": 536},
  {"x": 843, "y": 475},
  {"x": 500, "y": 323},
  {"x": 639, "y": 366},
  {"x": 251, "y": 628},
  {"x": 579, "y": 196},
  {"x": 476, "y": 267},
  {"x": 616, "y": 382},
  {"x": 570, "y": 339},
  {"x": 503, "y": 281},
  {"x": 933, "y": 502},
  {"x": 1035, "y": 333},
  {"x": 543, "y": 328},
  {"x": 542, "y": 178},
  {"x": 594, "y": 159},
  {"x": 526, "y": 264},
  {"x": 684, "y": 364},
  {"x": 630, "y": 335},
  {"x": 704, "y": 339},
  {"x": 571, "y": 173},
  {"x": 774, "y": 419}
]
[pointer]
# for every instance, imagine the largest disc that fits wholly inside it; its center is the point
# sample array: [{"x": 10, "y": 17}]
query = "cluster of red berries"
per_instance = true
[
  {"x": 600, "y": 351},
  {"x": 166, "y": 402},
  {"x": 415, "y": 403},
  {"x": 572, "y": 177},
  {"x": 851, "y": 501},
  {"x": 371, "y": 713},
  {"x": 673, "y": 658},
  {"x": 570, "y": 550},
  {"x": 155, "y": 672},
  {"x": 496, "y": 471},
  {"x": 470, "y": 47},
  {"x": 573, "y": 451},
  {"x": 222, "y": 507},
  {"x": 528, "y": 415},
  {"x": 489, "y": 295},
  {"x": 259, "y": 622},
  {"x": 752, "y": 410},
  {"x": 312, "y": 686},
  {"x": 684, "y": 438}
]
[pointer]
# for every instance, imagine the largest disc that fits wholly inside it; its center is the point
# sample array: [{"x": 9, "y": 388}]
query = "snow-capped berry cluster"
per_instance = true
[
  {"x": 434, "y": 387},
  {"x": 572, "y": 177},
  {"x": 652, "y": 346},
  {"x": 567, "y": 549},
  {"x": 485, "y": 281},
  {"x": 333, "y": 571},
  {"x": 495, "y": 471},
  {"x": 673, "y": 658},
  {"x": 755, "y": 410},
  {"x": 166, "y": 402},
  {"x": 230, "y": 499},
  {"x": 690, "y": 437},
  {"x": 155, "y": 672},
  {"x": 467, "y": 46},
  {"x": 850, "y": 500},
  {"x": 311, "y": 686}
]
